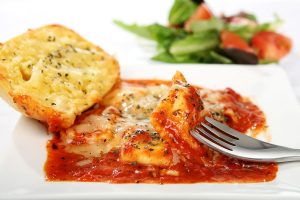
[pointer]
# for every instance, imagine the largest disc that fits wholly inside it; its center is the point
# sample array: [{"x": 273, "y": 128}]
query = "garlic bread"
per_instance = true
[{"x": 52, "y": 74}]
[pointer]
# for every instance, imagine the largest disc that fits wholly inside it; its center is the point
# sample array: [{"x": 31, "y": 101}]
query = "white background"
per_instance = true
[{"x": 93, "y": 20}]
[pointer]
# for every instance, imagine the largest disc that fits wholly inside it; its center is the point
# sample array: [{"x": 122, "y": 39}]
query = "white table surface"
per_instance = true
[{"x": 93, "y": 20}]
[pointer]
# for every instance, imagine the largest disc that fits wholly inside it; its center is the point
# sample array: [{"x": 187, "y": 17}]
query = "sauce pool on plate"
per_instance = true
[{"x": 115, "y": 141}]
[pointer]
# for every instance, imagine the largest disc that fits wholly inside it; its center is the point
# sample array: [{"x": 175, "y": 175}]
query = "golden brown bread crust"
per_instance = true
[
  {"x": 28, "y": 106},
  {"x": 52, "y": 74}
]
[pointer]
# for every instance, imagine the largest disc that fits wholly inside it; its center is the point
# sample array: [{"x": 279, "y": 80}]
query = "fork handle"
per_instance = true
[
  {"x": 277, "y": 154},
  {"x": 287, "y": 154}
]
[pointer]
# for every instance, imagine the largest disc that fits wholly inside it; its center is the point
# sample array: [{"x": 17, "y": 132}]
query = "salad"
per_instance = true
[{"x": 196, "y": 35}]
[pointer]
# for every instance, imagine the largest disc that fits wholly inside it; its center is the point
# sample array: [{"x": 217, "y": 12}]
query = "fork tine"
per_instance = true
[
  {"x": 212, "y": 138},
  {"x": 221, "y": 135},
  {"x": 207, "y": 142},
  {"x": 235, "y": 134},
  {"x": 242, "y": 139}
]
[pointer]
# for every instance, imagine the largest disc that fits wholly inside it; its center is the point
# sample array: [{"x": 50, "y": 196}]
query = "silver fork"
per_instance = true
[{"x": 233, "y": 143}]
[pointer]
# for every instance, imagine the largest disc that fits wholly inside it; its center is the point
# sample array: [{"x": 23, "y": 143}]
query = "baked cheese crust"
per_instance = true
[{"x": 150, "y": 124}]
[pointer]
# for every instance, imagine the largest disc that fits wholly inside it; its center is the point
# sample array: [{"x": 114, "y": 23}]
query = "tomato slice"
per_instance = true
[
  {"x": 270, "y": 45},
  {"x": 232, "y": 40},
  {"x": 201, "y": 13}
]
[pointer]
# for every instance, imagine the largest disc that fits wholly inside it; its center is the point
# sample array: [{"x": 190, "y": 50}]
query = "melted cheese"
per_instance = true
[
  {"x": 124, "y": 124},
  {"x": 209, "y": 98},
  {"x": 65, "y": 83}
]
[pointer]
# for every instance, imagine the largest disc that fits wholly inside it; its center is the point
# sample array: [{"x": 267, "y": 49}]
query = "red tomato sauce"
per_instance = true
[{"x": 63, "y": 166}]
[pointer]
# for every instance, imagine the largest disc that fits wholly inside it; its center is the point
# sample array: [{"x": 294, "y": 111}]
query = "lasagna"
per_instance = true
[{"x": 139, "y": 133}]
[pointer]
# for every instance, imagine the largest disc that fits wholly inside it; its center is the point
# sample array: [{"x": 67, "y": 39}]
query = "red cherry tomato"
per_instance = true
[
  {"x": 201, "y": 13},
  {"x": 271, "y": 45},
  {"x": 232, "y": 40}
]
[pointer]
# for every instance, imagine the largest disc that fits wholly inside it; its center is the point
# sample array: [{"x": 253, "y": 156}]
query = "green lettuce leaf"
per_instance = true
[
  {"x": 207, "y": 25},
  {"x": 191, "y": 44},
  {"x": 181, "y": 11}
]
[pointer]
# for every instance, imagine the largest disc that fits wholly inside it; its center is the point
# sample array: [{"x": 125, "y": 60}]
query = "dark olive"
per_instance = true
[{"x": 239, "y": 56}]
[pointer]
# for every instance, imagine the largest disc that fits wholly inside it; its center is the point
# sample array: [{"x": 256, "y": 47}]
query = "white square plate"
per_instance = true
[{"x": 21, "y": 163}]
